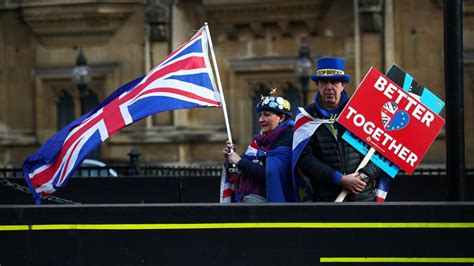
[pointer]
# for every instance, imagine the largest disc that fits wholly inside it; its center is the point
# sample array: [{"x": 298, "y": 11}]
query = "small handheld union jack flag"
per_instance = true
[{"x": 182, "y": 80}]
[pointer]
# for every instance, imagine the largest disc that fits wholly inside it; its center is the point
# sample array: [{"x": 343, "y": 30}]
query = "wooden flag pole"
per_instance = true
[
  {"x": 343, "y": 194},
  {"x": 219, "y": 84}
]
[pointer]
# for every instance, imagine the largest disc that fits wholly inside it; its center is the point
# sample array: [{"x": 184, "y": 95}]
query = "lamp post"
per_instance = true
[
  {"x": 81, "y": 77},
  {"x": 303, "y": 69}
]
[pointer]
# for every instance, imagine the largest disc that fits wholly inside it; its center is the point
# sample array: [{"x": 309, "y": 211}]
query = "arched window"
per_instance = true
[
  {"x": 262, "y": 90},
  {"x": 91, "y": 100},
  {"x": 292, "y": 94},
  {"x": 65, "y": 109}
]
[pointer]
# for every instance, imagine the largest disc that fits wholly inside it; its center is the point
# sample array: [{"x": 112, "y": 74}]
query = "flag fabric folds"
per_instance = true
[
  {"x": 381, "y": 189},
  {"x": 230, "y": 180},
  {"x": 184, "y": 79},
  {"x": 277, "y": 182},
  {"x": 305, "y": 126}
]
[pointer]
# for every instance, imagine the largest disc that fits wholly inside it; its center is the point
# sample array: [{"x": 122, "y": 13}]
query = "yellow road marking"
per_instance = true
[
  {"x": 394, "y": 259},
  {"x": 175, "y": 226}
]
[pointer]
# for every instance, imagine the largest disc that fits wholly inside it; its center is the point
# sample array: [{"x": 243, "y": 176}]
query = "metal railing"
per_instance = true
[
  {"x": 177, "y": 171},
  {"x": 124, "y": 170}
]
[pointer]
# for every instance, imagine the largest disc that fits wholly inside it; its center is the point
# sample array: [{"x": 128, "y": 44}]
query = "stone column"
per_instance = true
[
  {"x": 356, "y": 43},
  {"x": 182, "y": 31},
  {"x": 389, "y": 35}
]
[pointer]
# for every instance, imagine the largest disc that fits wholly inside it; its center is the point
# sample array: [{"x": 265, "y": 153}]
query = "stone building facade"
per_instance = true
[{"x": 256, "y": 44}]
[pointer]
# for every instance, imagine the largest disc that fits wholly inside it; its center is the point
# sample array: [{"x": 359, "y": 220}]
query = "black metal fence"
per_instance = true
[
  {"x": 192, "y": 184},
  {"x": 121, "y": 170}
]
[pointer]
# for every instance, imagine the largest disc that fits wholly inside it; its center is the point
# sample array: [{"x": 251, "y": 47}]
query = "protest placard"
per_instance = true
[
  {"x": 418, "y": 91},
  {"x": 393, "y": 122}
]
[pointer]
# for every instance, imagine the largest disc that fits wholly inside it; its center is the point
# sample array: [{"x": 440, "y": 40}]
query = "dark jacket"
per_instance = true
[
  {"x": 257, "y": 171},
  {"x": 325, "y": 154}
]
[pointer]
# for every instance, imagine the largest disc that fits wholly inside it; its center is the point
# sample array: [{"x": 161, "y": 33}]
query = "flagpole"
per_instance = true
[
  {"x": 219, "y": 84},
  {"x": 343, "y": 194}
]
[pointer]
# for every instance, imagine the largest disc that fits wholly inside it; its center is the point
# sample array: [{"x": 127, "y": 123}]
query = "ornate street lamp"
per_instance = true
[
  {"x": 303, "y": 69},
  {"x": 81, "y": 77}
]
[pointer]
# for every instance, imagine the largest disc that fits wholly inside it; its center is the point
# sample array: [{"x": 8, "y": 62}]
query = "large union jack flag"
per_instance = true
[{"x": 184, "y": 79}]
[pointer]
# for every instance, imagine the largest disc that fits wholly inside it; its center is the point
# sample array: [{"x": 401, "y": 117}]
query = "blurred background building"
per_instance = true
[{"x": 257, "y": 43}]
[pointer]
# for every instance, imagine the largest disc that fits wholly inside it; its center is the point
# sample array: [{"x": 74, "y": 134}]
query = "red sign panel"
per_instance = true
[{"x": 390, "y": 120}]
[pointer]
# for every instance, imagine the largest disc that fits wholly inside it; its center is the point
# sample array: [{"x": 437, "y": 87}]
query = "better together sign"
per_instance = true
[{"x": 391, "y": 121}]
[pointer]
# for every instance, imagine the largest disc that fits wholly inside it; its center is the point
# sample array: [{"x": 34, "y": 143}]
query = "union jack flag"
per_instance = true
[
  {"x": 387, "y": 113},
  {"x": 305, "y": 126},
  {"x": 228, "y": 183},
  {"x": 184, "y": 79}
]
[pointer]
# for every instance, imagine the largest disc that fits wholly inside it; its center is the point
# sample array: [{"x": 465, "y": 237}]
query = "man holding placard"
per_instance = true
[{"x": 321, "y": 159}]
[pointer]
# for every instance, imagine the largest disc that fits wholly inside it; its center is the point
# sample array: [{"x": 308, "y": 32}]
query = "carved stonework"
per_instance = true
[
  {"x": 257, "y": 29},
  {"x": 231, "y": 32},
  {"x": 157, "y": 14},
  {"x": 257, "y": 15},
  {"x": 371, "y": 15},
  {"x": 468, "y": 10},
  {"x": 263, "y": 64},
  {"x": 285, "y": 28},
  {"x": 312, "y": 27},
  {"x": 86, "y": 22}
]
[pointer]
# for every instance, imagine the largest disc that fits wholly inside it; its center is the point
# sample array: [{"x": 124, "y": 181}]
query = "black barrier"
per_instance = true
[
  {"x": 213, "y": 234},
  {"x": 191, "y": 189},
  {"x": 205, "y": 189}
]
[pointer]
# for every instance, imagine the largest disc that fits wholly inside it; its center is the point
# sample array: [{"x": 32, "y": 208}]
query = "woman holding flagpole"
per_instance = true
[{"x": 263, "y": 172}]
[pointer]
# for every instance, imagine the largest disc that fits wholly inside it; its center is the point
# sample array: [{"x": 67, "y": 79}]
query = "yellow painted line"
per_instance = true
[
  {"x": 14, "y": 227},
  {"x": 174, "y": 226},
  {"x": 394, "y": 260}
]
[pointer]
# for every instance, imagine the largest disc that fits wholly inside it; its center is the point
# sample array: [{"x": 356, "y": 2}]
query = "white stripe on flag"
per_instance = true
[{"x": 380, "y": 193}]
